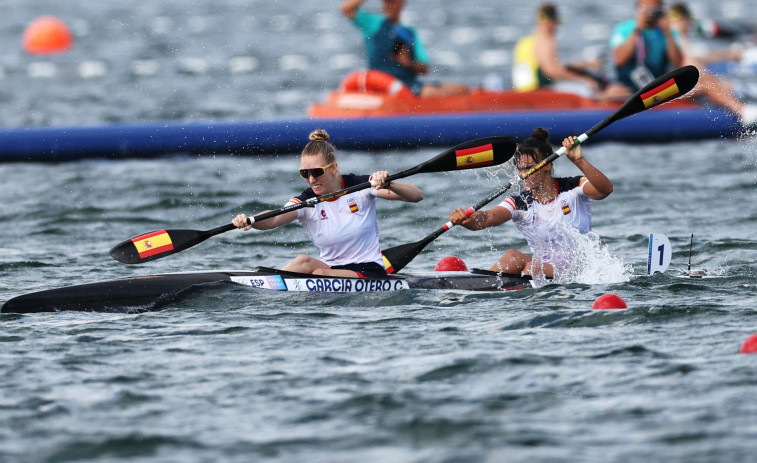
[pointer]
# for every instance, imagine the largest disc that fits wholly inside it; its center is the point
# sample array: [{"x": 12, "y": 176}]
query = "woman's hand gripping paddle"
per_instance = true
[
  {"x": 661, "y": 90},
  {"x": 472, "y": 154}
]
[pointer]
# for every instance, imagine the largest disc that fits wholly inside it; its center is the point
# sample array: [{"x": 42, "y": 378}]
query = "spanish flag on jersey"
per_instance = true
[
  {"x": 475, "y": 157},
  {"x": 660, "y": 94},
  {"x": 153, "y": 243}
]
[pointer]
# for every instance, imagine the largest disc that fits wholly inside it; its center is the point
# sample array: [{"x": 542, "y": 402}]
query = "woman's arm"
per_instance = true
[
  {"x": 240, "y": 221},
  {"x": 599, "y": 186},
  {"x": 395, "y": 190},
  {"x": 350, "y": 7},
  {"x": 481, "y": 219},
  {"x": 550, "y": 64}
]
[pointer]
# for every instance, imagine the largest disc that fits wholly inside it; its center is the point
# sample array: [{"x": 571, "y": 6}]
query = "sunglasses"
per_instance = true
[{"x": 315, "y": 171}]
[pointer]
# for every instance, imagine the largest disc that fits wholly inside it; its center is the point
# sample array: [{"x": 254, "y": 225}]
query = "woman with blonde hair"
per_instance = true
[{"x": 345, "y": 230}]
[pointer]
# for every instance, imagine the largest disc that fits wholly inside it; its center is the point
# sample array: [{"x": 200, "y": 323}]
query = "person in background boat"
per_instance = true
[
  {"x": 396, "y": 49},
  {"x": 646, "y": 47},
  {"x": 537, "y": 64},
  {"x": 682, "y": 21},
  {"x": 718, "y": 90},
  {"x": 345, "y": 230},
  {"x": 546, "y": 210}
]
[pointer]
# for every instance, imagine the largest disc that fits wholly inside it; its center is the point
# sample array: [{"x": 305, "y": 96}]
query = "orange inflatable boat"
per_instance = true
[{"x": 370, "y": 93}]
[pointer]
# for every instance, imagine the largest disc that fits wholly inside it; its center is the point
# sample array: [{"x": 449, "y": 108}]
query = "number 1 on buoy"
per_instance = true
[{"x": 659, "y": 253}]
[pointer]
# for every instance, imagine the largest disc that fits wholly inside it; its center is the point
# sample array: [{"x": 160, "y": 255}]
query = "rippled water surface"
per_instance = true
[{"x": 241, "y": 375}]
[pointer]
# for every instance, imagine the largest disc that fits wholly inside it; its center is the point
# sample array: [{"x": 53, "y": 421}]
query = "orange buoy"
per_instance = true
[
  {"x": 373, "y": 81},
  {"x": 750, "y": 345},
  {"x": 609, "y": 301},
  {"x": 450, "y": 264},
  {"x": 47, "y": 35}
]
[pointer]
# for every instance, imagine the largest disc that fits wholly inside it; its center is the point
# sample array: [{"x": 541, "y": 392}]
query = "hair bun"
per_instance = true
[
  {"x": 319, "y": 134},
  {"x": 540, "y": 133}
]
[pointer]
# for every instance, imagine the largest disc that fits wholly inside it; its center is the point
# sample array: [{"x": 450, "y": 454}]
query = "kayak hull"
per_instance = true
[{"x": 154, "y": 292}]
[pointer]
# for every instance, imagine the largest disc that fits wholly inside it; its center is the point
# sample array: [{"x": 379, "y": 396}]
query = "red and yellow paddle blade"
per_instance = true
[
  {"x": 478, "y": 156},
  {"x": 482, "y": 152},
  {"x": 661, "y": 94},
  {"x": 661, "y": 90},
  {"x": 152, "y": 243},
  {"x": 160, "y": 243}
]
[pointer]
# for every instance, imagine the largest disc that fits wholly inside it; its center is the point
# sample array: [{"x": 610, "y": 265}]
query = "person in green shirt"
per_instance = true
[{"x": 395, "y": 48}]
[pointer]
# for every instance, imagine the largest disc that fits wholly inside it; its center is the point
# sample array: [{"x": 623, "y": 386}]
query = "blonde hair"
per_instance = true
[{"x": 319, "y": 144}]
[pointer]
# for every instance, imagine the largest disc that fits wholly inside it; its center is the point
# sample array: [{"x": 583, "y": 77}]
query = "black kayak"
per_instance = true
[{"x": 153, "y": 292}]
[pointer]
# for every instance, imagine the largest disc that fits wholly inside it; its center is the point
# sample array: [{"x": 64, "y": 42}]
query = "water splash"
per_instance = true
[{"x": 581, "y": 258}]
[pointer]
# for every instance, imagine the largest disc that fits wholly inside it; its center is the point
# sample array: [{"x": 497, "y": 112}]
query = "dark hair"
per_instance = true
[
  {"x": 681, "y": 10},
  {"x": 548, "y": 11},
  {"x": 319, "y": 144},
  {"x": 537, "y": 146}
]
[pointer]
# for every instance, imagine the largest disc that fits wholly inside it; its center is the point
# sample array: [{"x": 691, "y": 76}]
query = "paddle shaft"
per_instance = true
[
  {"x": 473, "y": 209},
  {"x": 311, "y": 202},
  {"x": 501, "y": 149}
]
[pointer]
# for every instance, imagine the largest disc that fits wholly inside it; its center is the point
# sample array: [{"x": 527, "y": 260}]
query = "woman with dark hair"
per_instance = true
[
  {"x": 345, "y": 230},
  {"x": 548, "y": 212}
]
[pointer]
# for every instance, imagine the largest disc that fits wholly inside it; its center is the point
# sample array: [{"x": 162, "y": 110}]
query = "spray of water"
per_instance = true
[{"x": 579, "y": 258}]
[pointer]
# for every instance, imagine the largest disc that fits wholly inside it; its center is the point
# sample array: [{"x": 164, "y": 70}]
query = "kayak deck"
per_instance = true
[{"x": 153, "y": 292}]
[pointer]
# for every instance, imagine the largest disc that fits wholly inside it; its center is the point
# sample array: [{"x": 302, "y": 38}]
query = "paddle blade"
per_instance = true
[
  {"x": 483, "y": 152},
  {"x": 663, "y": 89},
  {"x": 156, "y": 244},
  {"x": 396, "y": 258}
]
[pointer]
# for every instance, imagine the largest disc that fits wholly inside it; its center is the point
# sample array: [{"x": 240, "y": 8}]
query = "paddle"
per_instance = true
[
  {"x": 481, "y": 152},
  {"x": 663, "y": 89},
  {"x": 396, "y": 258}
]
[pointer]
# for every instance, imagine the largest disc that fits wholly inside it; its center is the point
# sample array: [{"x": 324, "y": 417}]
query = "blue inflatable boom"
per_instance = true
[{"x": 257, "y": 137}]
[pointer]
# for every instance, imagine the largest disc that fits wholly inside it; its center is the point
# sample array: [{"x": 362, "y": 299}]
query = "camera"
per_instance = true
[{"x": 656, "y": 13}]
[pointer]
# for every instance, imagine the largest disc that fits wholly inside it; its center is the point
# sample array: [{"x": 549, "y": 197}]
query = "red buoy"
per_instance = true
[
  {"x": 450, "y": 264},
  {"x": 609, "y": 301},
  {"x": 47, "y": 35},
  {"x": 750, "y": 345}
]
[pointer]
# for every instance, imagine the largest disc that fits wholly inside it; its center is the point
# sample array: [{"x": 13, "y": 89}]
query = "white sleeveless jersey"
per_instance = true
[
  {"x": 549, "y": 228},
  {"x": 344, "y": 230}
]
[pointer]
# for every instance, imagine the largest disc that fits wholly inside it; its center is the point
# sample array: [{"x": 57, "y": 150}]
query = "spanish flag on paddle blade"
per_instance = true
[
  {"x": 475, "y": 157},
  {"x": 660, "y": 94},
  {"x": 153, "y": 243}
]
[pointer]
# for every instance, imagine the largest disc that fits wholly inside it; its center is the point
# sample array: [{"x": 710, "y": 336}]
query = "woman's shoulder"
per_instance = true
[
  {"x": 569, "y": 183},
  {"x": 354, "y": 179}
]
